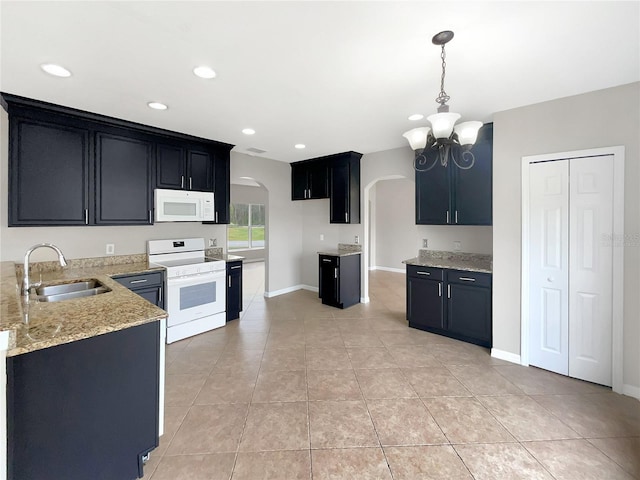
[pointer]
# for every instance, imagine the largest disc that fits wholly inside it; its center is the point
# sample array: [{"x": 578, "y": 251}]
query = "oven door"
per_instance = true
[{"x": 195, "y": 296}]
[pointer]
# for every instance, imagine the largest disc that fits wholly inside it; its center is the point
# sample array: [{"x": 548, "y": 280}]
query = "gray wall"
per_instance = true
[
  {"x": 255, "y": 195},
  {"x": 597, "y": 119},
  {"x": 283, "y": 254},
  {"x": 82, "y": 242}
]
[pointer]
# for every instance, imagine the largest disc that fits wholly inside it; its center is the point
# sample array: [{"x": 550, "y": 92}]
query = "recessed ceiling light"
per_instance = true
[
  {"x": 248, "y": 131},
  {"x": 204, "y": 72},
  {"x": 55, "y": 70},
  {"x": 157, "y": 105},
  {"x": 300, "y": 146},
  {"x": 416, "y": 116}
]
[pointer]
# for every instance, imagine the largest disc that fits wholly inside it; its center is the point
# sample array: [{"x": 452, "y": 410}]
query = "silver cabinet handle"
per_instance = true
[
  {"x": 447, "y": 216},
  {"x": 346, "y": 217},
  {"x": 181, "y": 181},
  {"x": 468, "y": 279},
  {"x": 335, "y": 272},
  {"x": 86, "y": 216},
  {"x": 229, "y": 281},
  {"x": 448, "y": 291},
  {"x": 150, "y": 219},
  {"x": 160, "y": 295},
  {"x": 144, "y": 280},
  {"x": 237, "y": 266},
  {"x": 439, "y": 289},
  {"x": 190, "y": 183},
  {"x": 423, "y": 273},
  {"x": 326, "y": 259},
  {"x": 456, "y": 215}
]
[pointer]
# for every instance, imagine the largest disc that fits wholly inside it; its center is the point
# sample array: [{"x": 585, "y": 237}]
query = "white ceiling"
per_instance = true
[{"x": 335, "y": 76}]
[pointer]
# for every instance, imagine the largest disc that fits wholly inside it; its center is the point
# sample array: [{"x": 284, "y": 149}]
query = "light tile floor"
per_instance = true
[{"x": 297, "y": 390}]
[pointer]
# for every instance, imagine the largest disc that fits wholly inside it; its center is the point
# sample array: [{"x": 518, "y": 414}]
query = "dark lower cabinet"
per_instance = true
[
  {"x": 149, "y": 286},
  {"x": 234, "y": 289},
  {"x": 339, "y": 282},
  {"x": 85, "y": 409},
  {"x": 454, "y": 303}
]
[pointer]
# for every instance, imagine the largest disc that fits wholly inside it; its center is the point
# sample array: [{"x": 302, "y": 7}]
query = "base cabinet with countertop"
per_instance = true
[
  {"x": 149, "y": 286},
  {"x": 85, "y": 409},
  {"x": 455, "y": 303},
  {"x": 234, "y": 289},
  {"x": 339, "y": 282}
]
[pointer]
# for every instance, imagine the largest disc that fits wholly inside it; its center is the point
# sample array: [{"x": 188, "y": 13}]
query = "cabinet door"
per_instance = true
[
  {"x": 234, "y": 290},
  {"x": 49, "y": 174},
  {"x": 200, "y": 171},
  {"x": 472, "y": 187},
  {"x": 152, "y": 294},
  {"x": 170, "y": 167},
  {"x": 318, "y": 180},
  {"x": 432, "y": 196},
  {"x": 329, "y": 283},
  {"x": 425, "y": 303},
  {"x": 339, "y": 193},
  {"x": 469, "y": 312},
  {"x": 298, "y": 182},
  {"x": 222, "y": 195},
  {"x": 123, "y": 180}
]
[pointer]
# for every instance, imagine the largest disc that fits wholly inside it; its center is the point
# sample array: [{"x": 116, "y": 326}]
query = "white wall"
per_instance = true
[
  {"x": 283, "y": 229},
  {"x": 82, "y": 242},
  {"x": 603, "y": 118}
]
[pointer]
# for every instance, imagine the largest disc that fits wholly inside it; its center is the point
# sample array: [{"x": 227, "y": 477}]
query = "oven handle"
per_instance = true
[{"x": 197, "y": 278}]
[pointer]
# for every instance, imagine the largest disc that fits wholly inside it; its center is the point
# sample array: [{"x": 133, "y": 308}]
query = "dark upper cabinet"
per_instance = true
[
  {"x": 70, "y": 167},
  {"x": 171, "y": 167},
  {"x": 453, "y": 196},
  {"x": 181, "y": 168},
  {"x": 48, "y": 173},
  {"x": 124, "y": 168},
  {"x": 344, "y": 191},
  {"x": 309, "y": 180}
]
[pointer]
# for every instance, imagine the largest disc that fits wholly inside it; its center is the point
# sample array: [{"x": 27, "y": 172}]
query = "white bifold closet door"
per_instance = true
[{"x": 570, "y": 265}]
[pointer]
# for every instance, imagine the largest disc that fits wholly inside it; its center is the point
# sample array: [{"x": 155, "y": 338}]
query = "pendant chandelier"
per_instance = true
[{"x": 443, "y": 141}]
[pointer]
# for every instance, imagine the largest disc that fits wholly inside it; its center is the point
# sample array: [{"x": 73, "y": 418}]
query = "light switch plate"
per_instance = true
[
  {"x": 457, "y": 246},
  {"x": 111, "y": 249},
  {"x": 425, "y": 243}
]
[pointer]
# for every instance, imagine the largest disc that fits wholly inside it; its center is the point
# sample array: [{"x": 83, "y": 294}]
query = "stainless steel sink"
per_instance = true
[{"x": 67, "y": 291}]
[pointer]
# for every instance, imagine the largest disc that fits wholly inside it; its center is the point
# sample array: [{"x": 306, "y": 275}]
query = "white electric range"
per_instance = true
[{"x": 196, "y": 286}]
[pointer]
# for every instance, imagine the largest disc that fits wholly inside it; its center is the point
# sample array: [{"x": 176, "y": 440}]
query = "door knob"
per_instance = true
[{"x": 549, "y": 279}]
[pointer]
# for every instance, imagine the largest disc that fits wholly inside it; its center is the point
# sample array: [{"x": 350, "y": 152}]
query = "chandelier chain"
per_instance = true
[{"x": 443, "y": 97}]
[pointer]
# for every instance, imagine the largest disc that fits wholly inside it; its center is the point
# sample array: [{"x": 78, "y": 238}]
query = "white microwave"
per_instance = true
[{"x": 183, "y": 206}]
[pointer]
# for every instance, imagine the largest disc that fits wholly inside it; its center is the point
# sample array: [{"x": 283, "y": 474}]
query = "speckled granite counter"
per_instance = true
[
  {"x": 35, "y": 325},
  {"x": 343, "y": 250},
  {"x": 472, "y": 262}
]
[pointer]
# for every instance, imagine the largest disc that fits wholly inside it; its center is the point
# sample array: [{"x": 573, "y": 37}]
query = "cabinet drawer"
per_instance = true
[
  {"x": 469, "y": 278},
  {"x": 329, "y": 260},
  {"x": 141, "y": 280},
  {"x": 430, "y": 273}
]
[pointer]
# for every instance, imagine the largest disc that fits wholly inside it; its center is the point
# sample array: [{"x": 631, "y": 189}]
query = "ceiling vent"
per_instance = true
[{"x": 256, "y": 150}]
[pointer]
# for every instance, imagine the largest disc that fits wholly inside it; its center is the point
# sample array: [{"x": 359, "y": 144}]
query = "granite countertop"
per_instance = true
[
  {"x": 471, "y": 262},
  {"x": 343, "y": 250},
  {"x": 35, "y": 325}
]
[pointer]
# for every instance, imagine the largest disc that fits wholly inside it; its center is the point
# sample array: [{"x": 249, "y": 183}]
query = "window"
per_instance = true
[{"x": 246, "y": 229}]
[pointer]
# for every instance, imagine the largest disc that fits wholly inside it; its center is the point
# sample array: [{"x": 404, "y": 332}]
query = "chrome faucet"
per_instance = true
[{"x": 26, "y": 284}]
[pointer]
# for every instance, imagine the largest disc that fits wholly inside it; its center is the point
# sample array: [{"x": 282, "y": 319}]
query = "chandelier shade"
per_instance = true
[{"x": 443, "y": 140}]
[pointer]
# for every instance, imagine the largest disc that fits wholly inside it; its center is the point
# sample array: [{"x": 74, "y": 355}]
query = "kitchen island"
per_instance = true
[{"x": 83, "y": 375}]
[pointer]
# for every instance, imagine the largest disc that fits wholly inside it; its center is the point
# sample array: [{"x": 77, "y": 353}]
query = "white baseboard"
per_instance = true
[
  {"x": 506, "y": 356},
  {"x": 631, "y": 391},
  {"x": 310, "y": 288},
  {"x": 388, "y": 269},
  {"x": 282, "y": 291}
]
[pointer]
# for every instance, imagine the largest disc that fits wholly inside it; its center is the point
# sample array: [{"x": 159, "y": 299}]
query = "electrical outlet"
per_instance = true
[
  {"x": 357, "y": 239},
  {"x": 457, "y": 246},
  {"x": 321, "y": 237},
  {"x": 111, "y": 249},
  {"x": 213, "y": 242},
  {"x": 425, "y": 243}
]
